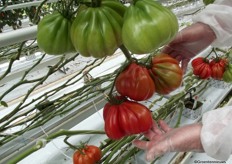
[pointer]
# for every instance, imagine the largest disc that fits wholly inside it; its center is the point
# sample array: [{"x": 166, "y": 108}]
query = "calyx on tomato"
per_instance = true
[
  {"x": 166, "y": 73},
  {"x": 147, "y": 26},
  {"x": 126, "y": 118},
  {"x": 96, "y": 31},
  {"x": 218, "y": 66},
  {"x": 201, "y": 68},
  {"x": 53, "y": 34},
  {"x": 89, "y": 154},
  {"x": 135, "y": 82},
  {"x": 227, "y": 76}
]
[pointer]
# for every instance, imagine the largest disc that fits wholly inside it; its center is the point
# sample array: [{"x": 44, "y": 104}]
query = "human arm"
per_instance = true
[
  {"x": 218, "y": 17},
  {"x": 212, "y": 26},
  {"x": 216, "y": 134},
  {"x": 213, "y": 135}
]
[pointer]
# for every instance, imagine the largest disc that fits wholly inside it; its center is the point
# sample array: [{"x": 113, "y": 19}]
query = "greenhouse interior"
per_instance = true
[{"x": 81, "y": 80}]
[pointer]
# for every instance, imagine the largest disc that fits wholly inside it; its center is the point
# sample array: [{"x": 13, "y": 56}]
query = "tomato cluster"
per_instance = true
[
  {"x": 217, "y": 68},
  {"x": 137, "y": 83},
  {"x": 100, "y": 28}
]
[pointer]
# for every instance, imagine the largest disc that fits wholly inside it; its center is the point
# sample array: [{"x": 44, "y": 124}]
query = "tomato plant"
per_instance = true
[
  {"x": 89, "y": 154},
  {"x": 166, "y": 73},
  {"x": 135, "y": 82},
  {"x": 218, "y": 68},
  {"x": 53, "y": 35},
  {"x": 201, "y": 68},
  {"x": 147, "y": 26},
  {"x": 96, "y": 31},
  {"x": 227, "y": 76},
  {"x": 126, "y": 118}
]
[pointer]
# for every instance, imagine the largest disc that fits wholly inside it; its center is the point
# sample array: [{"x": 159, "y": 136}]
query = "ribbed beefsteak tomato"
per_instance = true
[
  {"x": 201, "y": 68},
  {"x": 89, "y": 154},
  {"x": 166, "y": 73},
  {"x": 147, "y": 26},
  {"x": 135, "y": 82},
  {"x": 218, "y": 66},
  {"x": 96, "y": 31},
  {"x": 53, "y": 34},
  {"x": 126, "y": 118}
]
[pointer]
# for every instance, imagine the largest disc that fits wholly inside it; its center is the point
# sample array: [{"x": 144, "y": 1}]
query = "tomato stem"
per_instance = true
[
  {"x": 126, "y": 53},
  {"x": 110, "y": 96},
  {"x": 218, "y": 49},
  {"x": 96, "y": 3},
  {"x": 71, "y": 146}
]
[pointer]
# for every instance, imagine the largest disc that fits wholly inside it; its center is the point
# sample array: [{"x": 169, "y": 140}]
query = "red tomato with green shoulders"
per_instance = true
[{"x": 166, "y": 73}]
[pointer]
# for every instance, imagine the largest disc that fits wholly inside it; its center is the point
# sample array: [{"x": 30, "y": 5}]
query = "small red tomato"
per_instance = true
[
  {"x": 135, "y": 82},
  {"x": 126, "y": 118},
  {"x": 218, "y": 66},
  {"x": 90, "y": 154},
  {"x": 201, "y": 67}
]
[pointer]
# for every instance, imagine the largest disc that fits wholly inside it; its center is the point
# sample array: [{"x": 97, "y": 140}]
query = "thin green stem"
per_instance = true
[
  {"x": 122, "y": 143},
  {"x": 118, "y": 72},
  {"x": 69, "y": 144},
  {"x": 36, "y": 147},
  {"x": 63, "y": 132},
  {"x": 12, "y": 60},
  {"x": 180, "y": 106},
  {"x": 126, "y": 53},
  {"x": 221, "y": 50}
]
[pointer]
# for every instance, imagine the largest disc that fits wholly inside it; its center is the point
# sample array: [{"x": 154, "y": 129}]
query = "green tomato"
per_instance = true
[
  {"x": 227, "y": 76},
  {"x": 147, "y": 26},
  {"x": 96, "y": 31},
  {"x": 207, "y": 2},
  {"x": 115, "y": 5},
  {"x": 53, "y": 34}
]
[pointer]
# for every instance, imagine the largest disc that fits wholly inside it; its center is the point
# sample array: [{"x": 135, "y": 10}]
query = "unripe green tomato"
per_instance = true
[
  {"x": 207, "y": 2},
  {"x": 227, "y": 76},
  {"x": 53, "y": 34},
  {"x": 115, "y": 5},
  {"x": 147, "y": 26},
  {"x": 96, "y": 31}
]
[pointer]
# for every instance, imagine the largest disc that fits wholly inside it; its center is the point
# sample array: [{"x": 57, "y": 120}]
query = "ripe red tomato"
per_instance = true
[
  {"x": 135, "y": 83},
  {"x": 166, "y": 73},
  {"x": 201, "y": 68},
  {"x": 126, "y": 118},
  {"x": 218, "y": 66},
  {"x": 90, "y": 154}
]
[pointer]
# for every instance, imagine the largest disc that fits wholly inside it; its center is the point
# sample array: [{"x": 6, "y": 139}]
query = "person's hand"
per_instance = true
[
  {"x": 189, "y": 42},
  {"x": 164, "y": 139}
]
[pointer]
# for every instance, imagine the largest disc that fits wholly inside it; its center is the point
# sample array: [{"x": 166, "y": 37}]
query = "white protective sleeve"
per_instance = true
[
  {"x": 219, "y": 17},
  {"x": 216, "y": 133}
]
